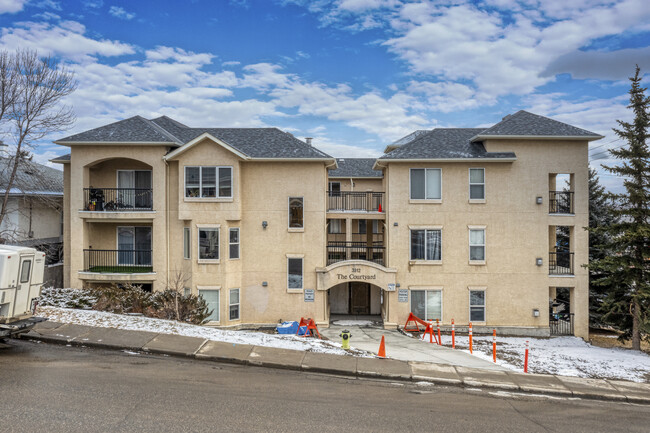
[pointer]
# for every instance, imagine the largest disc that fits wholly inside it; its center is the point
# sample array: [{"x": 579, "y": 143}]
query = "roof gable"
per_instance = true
[
  {"x": 135, "y": 129},
  {"x": 355, "y": 167}
]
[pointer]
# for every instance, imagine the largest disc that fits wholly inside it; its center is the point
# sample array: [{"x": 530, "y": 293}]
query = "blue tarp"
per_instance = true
[{"x": 288, "y": 328}]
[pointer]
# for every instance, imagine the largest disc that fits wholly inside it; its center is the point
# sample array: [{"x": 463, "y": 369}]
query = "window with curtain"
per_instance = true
[
  {"x": 208, "y": 182},
  {"x": 477, "y": 305},
  {"x": 427, "y": 304},
  {"x": 426, "y": 244},
  {"x": 134, "y": 245},
  {"x": 477, "y": 183},
  {"x": 209, "y": 243},
  {"x": 477, "y": 244},
  {"x": 296, "y": 212},
  {"x": 426, "y": 183},
  {"x": 335, "y": 226},
  {"x": 211, "y": 298}
]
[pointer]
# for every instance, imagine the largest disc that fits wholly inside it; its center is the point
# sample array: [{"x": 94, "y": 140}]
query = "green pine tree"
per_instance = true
[{"x": 626, "y": 271}]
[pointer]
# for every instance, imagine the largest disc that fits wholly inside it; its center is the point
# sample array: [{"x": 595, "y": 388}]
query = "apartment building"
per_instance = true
[{"x": 480, "y": 225}]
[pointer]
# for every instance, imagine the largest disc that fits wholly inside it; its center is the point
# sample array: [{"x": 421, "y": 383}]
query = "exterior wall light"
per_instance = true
[
  {"x": 264, "y": 284},
  {"x": 535, "y": 312},
  {"x": 539, "y": 200},
  {"x": 264, "y": 224},
  {"x": 539, "y": 261},
  {"x": 395, "y": 224}
]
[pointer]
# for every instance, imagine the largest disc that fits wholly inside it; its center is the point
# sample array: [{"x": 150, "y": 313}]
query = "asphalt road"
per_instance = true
[{"x": 49, "y": 388}]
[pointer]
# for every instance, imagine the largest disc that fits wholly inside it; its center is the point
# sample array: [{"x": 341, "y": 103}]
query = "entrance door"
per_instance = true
[
  {"x": 359, "y": 298},
  {"x": 134, "y": 188},
  {"x": 134, "y": 246},
  {"x": 22, "y": 286}
]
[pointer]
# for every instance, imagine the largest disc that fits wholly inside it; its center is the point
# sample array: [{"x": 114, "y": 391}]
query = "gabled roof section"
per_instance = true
[
  {"x": 31, "y": 178},
  {"x": 62, "y": 159},
  {"x": 135, "y": 129},
  {"x": 446, "y": 144},
  {"x": 356, "y": 168},
  {"x": 525, "y": 124},
  {"x": 406, "y": 139}
]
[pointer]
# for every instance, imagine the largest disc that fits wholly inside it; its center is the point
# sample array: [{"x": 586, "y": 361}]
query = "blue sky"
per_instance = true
[{"x": 353, "y": 74}]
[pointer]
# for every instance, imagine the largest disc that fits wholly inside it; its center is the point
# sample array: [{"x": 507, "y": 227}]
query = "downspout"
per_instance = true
[{"x": 166, "y": 213}]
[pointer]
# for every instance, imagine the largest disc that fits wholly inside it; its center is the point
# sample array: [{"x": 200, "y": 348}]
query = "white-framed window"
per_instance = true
[
  {"x": 477, "y": 244},
  {"x": 208, "y": 243},
  {"x": 335, "y": 189},
  {"x": 477, "y": 184},
  {"x": 187, "y": 242},
  {"x": 233, "y": 242},
  {"x": 426, "y": 244},
  {"x": 426, "y": 183},
  {"x": 208, "y": 182},
  {"x": 212, "y": 297},
  {"x": 233, "y": 304},
  {"x": 477, "y": 305},
  {"x": 335, "y": 226},
  {"x": 294, "y": 273},
  {"x": 427, "y": 304},
  {"x": 187, "y": 291},
  {"x": 296, "y": 205}
]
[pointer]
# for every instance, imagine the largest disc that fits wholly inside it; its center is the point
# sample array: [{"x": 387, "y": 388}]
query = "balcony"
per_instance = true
[
  {"x": 560, "y": 263},
  {"x": 560, "y": 202},
  {"x": 338, "y": 251},
  {"x": 118, "y": 199},
  {"x": 118, "y": 261},
  {"x": 355, "y": 201}
]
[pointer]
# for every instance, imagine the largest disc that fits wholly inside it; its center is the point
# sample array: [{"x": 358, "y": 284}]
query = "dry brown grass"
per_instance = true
[{"x": 603, "y": 338}]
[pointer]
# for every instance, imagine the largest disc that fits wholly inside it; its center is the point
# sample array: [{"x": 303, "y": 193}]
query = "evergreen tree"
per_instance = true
[{"x": 627, "y": 269}]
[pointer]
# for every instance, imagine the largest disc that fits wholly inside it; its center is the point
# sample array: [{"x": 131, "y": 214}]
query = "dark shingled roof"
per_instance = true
[
  {"x": 355, "y": 167},
  {"x": 252, "y": 142},
  {"x": 61, "y": 159},
  {"x": 31, "y": 178},
  {"x": 445, "y": 143},
  {"x": 523, "y": 123}
]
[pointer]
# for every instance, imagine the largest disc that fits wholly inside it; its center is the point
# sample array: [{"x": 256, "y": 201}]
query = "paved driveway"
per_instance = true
[{"x": 367, "y": 337}]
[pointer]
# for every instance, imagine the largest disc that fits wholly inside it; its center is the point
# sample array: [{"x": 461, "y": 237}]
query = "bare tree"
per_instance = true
[
  {"x": 31, "y": 106},
  {"x": 177, "y": 285}
]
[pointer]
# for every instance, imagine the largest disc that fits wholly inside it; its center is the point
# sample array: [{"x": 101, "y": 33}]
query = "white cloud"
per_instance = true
[
  {"x": 121, "y": 13},
  {"x": 11, "y": 6}
]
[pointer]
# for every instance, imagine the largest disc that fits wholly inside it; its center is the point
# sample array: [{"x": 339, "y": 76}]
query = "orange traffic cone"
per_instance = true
[
  {"x": 379, "y": 207},
  {"x": 382, "y": 348}
]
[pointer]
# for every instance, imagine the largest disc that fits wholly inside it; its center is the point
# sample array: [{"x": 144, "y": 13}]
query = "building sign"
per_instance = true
[
  {"x": 403, "y": 295},
  {"x": 391, "y": 287},
  {"x": 309, "y": 295},
  {"x": 356, "y": 275}
]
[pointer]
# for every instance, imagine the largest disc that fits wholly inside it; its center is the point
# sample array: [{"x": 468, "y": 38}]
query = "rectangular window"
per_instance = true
[
  {"x": 476, "y": 183},
  {"x": 477, "y": 244},
  {"x": 187, "y": 291},
  {"x": 234, "y": 304},
  {"x": 294, "y": 266},
  {"x": 296, "y": 212},
  {"x": 375, "y": 226},
  {"x": 362, "y": 227},
  {"x": 202, "y": 182},
  {"x": 477, "y": 305},
  {"x": 426, "y": 244},
  {"x": 234, "y": 243},
  {"x": 209, "y": 243},
  {"x": 134, "y": 245},
  {"x": 335, "y": 189},
  {"x": 186, "y": 243},
  {"x": 24, "y": 272},
  {"x": 211, "y": 297},
  {"x": 426, "y": 183},
  {"x": 335, "y": 226},
  {"x": 427, "y": 304}
]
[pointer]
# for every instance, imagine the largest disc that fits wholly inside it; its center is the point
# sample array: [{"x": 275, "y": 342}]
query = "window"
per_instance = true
[
  {"x": 375, "y": 226},
  {"x": 426, "y": 183},
  {"x": 477, "y": 184},
  {"x": 426, "y": 244},
  {"x": 134, "y": 245},
  {"x": 201, "y": 182},
  {"x": 211, "y": 298},
  {"x": 477, "y": 244},
  {"x": 234, "y": 304},
  {"x": 234, "y": 243},
  {"x": 427, "y": 304},
  {"x": 134, "y": 189},
  {"x": 186, "y": 243},
  {"x": 362, "y": 227},
  {"x": 24, "y": 271},
  {"x": 209, "y": 243},
  {"x": 335, "y": 189},
  {"x": 477, "y": 305},
  {"x": 295, "y": 212},
  {"x": 294, "y": 266},
  {"x": 187, "y": 291},
  {"x": 335, "y": 226}
]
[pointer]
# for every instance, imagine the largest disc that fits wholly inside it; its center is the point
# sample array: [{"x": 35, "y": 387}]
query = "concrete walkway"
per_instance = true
[
  {"x": 402, "y": 347},
  {"x": 388, "y": 369}
]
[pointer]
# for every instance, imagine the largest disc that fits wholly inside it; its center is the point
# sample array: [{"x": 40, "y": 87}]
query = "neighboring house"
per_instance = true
[{"x": 454, "y": 223}]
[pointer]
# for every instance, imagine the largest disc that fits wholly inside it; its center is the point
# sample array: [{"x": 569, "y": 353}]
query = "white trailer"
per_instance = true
[{"x": 21, "y": 278}]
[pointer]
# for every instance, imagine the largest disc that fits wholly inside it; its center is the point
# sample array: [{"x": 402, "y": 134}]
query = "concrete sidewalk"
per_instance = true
[
  {"x": 392, "y": 369},
  {"x": 405, "y": 348}
]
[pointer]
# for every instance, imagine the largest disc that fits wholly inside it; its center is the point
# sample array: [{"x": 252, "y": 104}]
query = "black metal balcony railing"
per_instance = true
[
  {"x": 340, "y": 251},
  {"x": 118, "y": 199},
  {"x": 560, "y": 202},
  {"x": 361, "y": 201},
  {"x": 377, "y": 238},
  {"x": 117, "y": 261},
  {"x": 561, "y": 324},
  {"x": 560, "y": 263}
]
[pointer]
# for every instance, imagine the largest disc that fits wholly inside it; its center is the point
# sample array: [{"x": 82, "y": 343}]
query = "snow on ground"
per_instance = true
[
  {"x": 564, "y": 356},
  {"x": 141, "y": 323}
]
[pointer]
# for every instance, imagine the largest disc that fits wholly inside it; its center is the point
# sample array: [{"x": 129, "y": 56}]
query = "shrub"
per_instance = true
[
  {"x": 129, "y": 298},
  {"x": 169, "y": 304},
  {"x": 67, "y": 298}
]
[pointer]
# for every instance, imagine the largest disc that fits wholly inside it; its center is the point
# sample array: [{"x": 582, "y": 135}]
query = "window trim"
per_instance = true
[
  {"x": 329, "y": 186},
  {"x": 212, "y": 288},
  {"x": 469, "y": 302},
  {"x": 425, "y": 261},
  {"x": 217, "y": 197},
  {"x": 238, "y": 243},
  {"x": 22, "y": 271},
  {"x": 329, "y": 226},
  {"x": 425, "y": 200},
  {"x": 469, "y": 245},
  {"x": 428, "y": 289},
  {"x": 295, "y": 229},
  {"x": 238, "y": 304},
  {"x": 187, "y": 241},
  {"x": 300, "y": 257},
  {"x": 200, "y": 227},
  {"x": 469, "y": 188}
]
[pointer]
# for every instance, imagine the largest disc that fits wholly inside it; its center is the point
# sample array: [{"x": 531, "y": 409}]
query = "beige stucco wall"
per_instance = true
[
  {"x": 41, "y": 216},
  {"x": 358, "y": 184}
]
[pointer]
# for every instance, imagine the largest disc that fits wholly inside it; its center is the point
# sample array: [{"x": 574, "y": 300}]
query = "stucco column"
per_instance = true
[{"x": 348, "y": 237}]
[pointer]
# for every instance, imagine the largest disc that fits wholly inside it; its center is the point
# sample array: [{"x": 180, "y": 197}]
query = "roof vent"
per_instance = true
[{"x": 308, "y": 140}]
